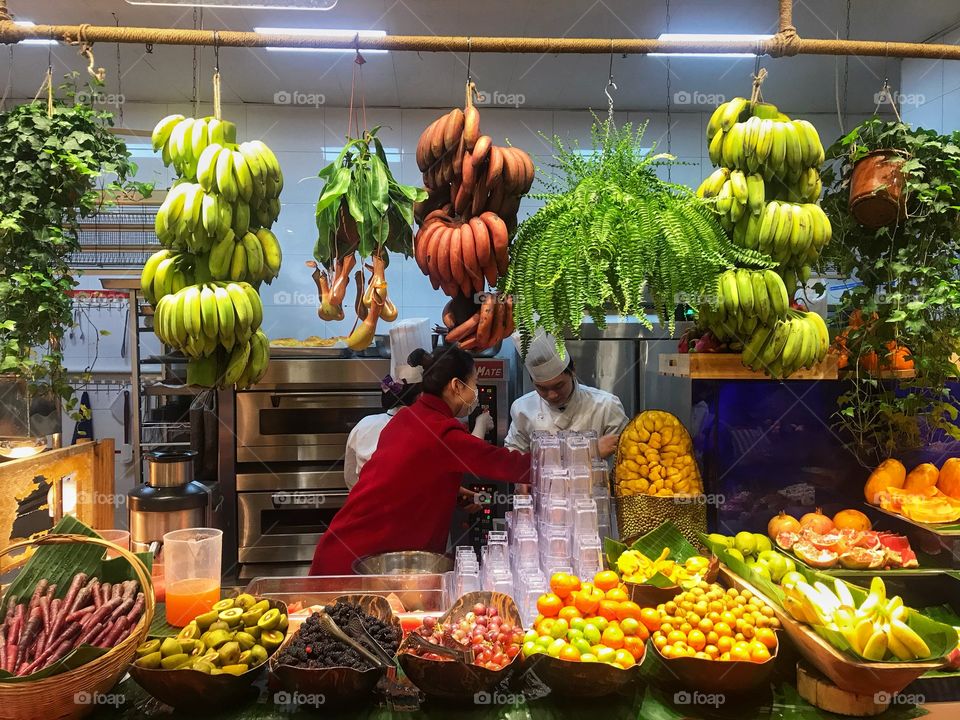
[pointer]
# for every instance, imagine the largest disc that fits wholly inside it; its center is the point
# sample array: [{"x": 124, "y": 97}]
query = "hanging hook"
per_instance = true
[
  {"x": 216, "y": 52},
  {"x": 606, "y": 89},
  {"x": 469, "y": 59},
  {"x": 359, "y": 59}
]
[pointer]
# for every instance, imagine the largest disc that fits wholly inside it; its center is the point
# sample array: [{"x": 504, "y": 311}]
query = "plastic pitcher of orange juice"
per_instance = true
[{"x": 191, "y": 560}]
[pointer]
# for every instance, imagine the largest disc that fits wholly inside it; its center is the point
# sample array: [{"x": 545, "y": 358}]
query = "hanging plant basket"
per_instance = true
[{"x": 876, "y": 189}]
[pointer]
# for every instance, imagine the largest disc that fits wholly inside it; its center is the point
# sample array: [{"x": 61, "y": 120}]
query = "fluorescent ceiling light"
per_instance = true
[
  {"x": 32, "y": 41},
  {"x": 251, "y": 5},
  {"x": 699, "y": 37},
  {"x": 313, "y": 32}
]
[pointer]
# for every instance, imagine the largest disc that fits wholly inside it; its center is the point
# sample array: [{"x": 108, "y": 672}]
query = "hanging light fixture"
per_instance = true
[{"x": 250, "y": 5}]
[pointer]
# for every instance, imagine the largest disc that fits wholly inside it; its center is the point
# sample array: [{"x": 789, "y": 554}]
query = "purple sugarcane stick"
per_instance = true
[
  {"x": 134, "y": 615},
  {"x": 51, "y": 592},
  {"x": 38, "y": 591},
  {"x": 117, "y": 631},
  {"x": 117, "y": 591},
  {"x": 29, "y": 635},
  {"x": 78, "y": 580},
  {"x": 70, "y": 636},
  {"x": 84, "y": 598},
  {"x": 92, "y": 625},
  {"x": 129, "y": 589},
  {"x": 13, "y": 639},
  {"x": 95, "y": 592},
  {"x": 105, "y": 589},
  {"x": 121, "y": 610},
  {"x": 79, "y": 615}
]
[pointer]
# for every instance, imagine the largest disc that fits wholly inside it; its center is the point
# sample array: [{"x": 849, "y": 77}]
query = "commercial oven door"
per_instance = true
[
  {"x": 284, "y": 526},
  {"x": 299, "y": 426}
]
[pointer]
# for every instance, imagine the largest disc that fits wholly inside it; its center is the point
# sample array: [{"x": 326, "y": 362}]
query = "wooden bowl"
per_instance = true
[
  {"x": 338, "y": 685},
  {"x": 862, "y": 678},
  {"x": 192, "y": 689},
  {"x": 452, "y": 680},
  {"x": 718, "y": 676},
  {"x": 579, "y": 679}
]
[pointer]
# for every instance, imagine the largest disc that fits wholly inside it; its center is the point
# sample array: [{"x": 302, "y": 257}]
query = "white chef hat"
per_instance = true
[
  {"x": 405, "y": 337},
  {"x": 542, "y": 361}
]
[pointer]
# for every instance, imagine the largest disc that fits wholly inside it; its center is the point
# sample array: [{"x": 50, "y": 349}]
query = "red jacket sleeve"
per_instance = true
[{"x": 462, "y": 452}]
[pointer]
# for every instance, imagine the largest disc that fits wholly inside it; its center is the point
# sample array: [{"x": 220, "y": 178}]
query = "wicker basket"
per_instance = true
[
  {"x": 639, "y": 514},
  {"x": 55, "y": 697}
]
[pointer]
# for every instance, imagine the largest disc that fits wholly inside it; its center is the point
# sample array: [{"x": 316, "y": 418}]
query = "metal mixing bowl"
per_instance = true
[{"x": 408, "y": 562}]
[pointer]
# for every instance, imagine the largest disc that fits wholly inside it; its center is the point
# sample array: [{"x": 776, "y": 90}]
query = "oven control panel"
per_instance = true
[
  {"x": 473, "y": 528},
  {"x": 487, "y": 401}
]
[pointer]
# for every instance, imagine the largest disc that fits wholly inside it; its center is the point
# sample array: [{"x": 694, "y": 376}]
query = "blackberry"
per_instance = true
[{"x": 311, "y": 647}]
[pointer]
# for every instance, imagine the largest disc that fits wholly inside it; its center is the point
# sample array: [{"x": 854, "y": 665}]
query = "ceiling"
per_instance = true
[{"x": 407, "y": 79}]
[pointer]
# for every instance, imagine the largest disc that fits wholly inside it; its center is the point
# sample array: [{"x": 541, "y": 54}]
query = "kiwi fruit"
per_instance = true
[
  {"x": 270, "y": 620},
  {"x": 207, "y": 619},
  {"x": 245, "y": 640},
  {"x": 172, "y": 662},
  {"x": 148, "y": 648},
  {"x": 245, "y": 601},
  {"x": 170, "y": 646},
  {"x": 224, "y": 604},
  {"x": 150, "y": 661},
  {"x": 229, "y": 653}
]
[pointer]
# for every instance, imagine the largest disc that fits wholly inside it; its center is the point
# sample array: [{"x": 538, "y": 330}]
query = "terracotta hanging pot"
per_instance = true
[{"x": 876, "y": 189}]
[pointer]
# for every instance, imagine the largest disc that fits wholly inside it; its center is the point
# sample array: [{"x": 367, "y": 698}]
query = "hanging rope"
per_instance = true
[
  {"x": 353, "y": 121},
  {"x": 216, "y": 77},
  {"x": 757, "y": 96},
  {"x": 120, "y": 98},
  {"x": 86, "y": 51},
  {"x": 886, "y": 93},
  {"x": 469, "y": 59},
  {"x": 47, "y": 85}
]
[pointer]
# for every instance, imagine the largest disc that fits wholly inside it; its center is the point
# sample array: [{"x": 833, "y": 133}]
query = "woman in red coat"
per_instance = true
[{"x": 407, "y": 492}]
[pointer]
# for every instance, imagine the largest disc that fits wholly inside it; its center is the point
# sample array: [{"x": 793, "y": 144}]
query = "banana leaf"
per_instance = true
[
  {"x": 58, "y": 564},
  {"x": 652, "y": 544},
  {"x": 939, "y": 637}
]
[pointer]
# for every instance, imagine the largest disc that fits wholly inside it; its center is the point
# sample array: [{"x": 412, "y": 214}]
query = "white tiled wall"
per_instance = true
[{"x": 932, "y": 91}]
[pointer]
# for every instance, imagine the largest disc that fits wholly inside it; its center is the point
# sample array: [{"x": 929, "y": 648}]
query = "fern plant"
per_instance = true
[{"x": 610, "y": 233}]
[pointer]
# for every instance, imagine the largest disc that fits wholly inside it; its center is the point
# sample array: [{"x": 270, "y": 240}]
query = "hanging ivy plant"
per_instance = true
[
  {"x": 610, "y": 234},
  {"x": 905, "y": 311},
  {"x": 53, "y": 169}
]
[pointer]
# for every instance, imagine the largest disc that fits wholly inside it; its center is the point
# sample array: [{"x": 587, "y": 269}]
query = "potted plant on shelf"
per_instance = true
[
  {"x": 57, "y": 166},
  {"x": 903, "y": 316},
  {"x": 361, "y": 208},
  {"x": 877, "y": 151}
]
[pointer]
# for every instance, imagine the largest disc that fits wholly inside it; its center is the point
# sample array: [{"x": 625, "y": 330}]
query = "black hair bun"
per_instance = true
[{"x": 420, "y": 358}]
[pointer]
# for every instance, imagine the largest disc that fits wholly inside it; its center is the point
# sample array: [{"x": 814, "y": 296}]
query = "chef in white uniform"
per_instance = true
[
  {"x": 560, "y": 401},
  {"x": 400, "y": 388}
]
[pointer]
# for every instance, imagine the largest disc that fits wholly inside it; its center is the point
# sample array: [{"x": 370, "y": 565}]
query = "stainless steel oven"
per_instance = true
[{"x": 291, "y": 434}]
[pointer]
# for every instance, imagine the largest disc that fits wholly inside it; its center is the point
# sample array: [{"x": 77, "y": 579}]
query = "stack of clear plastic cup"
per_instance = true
[
  {"x": 557, "y": 512},
  {"x": 593, "y": 438},
  {"x": 600, "y": 478},
  {"x": 585, "y": 522},
  {"x": 548, "y": 454},
  {"x": 579, "y": 482},
  {"x": 525, "y": 554},
  {"x": 576, "y": 451},
  {"x": 588, "y": 560},
  {"x": 523, "y": 513}
]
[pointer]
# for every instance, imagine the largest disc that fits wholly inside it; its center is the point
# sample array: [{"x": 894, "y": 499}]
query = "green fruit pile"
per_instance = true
[
  {"x": 218, "y": 247},
  {"x": 765, "y": 193},
  {"x": 756, "y": 550},
  {"x": 236, "y": 635}
]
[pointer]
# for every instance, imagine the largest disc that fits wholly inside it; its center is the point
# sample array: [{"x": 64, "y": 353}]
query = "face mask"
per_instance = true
[{"x": 472, "y": 405}]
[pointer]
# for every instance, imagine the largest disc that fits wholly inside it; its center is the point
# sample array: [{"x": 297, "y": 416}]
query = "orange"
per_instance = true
[
  {"x": 549, "y": 605},
  {"x": 725, "y": 656},
  {"x": 617, "y": 594},
  {"x": 712, "y": 638},
  {"x": 723, "y": 629},
  {"x": 767, "y": 637},
  {"x": 628, "y": 609},
  {"x": 651, "y": 618},
  {"x": 588, "y": 600},
  {"x": 676, "y": 636},
  {"x": 740, "y": 652},
  {"x": 759, "y": 652},
  {"x": 686, "y": 627},
  {"x": 569, "y": 652},
  {"x": 667, "y": 628},
  {"x": 563, "y": 584},
  {"x": 667, "y": 651},
  {"x": 608, "y": 609},
  {"x": 696, "y": 640},
  {"x": 712, "y": 651},
  {"x": 660, "y": 642},
  {"x": 705, "y": 625},
  {"x": 624, "y": 658},
  {"x": 569, "y": 612},
  {"x": 606, "y": 580},
  {"x": 634, "y": 645},
  {"x": 729, "y": 618},
  {"x": 612, "y": 637},
  {"x": 724, "y": 644}
]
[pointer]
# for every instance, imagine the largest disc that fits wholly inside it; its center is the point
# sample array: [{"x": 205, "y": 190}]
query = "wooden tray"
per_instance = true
[
  {"x": 862, "y": 678},
  {"x": 729, "y": 366}
]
